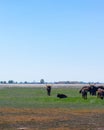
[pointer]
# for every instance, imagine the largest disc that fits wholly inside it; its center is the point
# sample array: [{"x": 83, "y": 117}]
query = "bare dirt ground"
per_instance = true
[{"x": 51, "y": 119}]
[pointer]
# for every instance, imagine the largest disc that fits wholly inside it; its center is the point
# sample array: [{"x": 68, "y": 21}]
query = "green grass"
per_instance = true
[{"x": 37, "y": 98}]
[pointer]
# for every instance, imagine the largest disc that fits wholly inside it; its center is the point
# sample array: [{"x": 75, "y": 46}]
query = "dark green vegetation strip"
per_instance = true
[{"x": 37, "y": 98}]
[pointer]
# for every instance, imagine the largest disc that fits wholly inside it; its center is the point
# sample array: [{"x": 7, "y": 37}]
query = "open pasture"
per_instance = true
[{"x": 30, "y": 108}]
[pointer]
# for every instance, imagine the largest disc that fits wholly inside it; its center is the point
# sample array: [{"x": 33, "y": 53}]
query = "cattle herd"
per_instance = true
[{"x": 93, "y": 90}]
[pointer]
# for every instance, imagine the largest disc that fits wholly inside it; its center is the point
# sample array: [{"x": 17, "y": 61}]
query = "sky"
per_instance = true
[{"x": 54, "y": 40}]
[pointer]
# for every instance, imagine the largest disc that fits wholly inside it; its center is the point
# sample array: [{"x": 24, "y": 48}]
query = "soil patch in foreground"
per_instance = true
[{"x": 51, "y": 119}]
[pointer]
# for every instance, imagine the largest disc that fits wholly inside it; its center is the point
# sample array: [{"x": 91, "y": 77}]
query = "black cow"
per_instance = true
[
  {"x": 93, "y": 89},
  {"x": 48, "y": 90},
  {"x": 61, "y": 95}
]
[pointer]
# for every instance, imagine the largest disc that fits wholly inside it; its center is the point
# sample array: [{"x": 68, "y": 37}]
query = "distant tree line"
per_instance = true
[
  {"x": 42, "y": 81},
  {"x": 25, "y": 82}
]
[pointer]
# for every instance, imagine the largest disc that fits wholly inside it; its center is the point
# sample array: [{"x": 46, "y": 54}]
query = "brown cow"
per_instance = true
[
  {"x": 84, "y": 93},
  {"x": 100, "y": 93},
  {"x": 85, "y": 87}
]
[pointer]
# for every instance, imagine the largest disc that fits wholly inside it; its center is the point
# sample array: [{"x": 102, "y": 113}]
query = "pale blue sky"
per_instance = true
[{"x": 52, "y": 39}]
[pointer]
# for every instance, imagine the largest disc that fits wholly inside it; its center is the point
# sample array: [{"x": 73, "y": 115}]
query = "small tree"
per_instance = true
[
  {"x": 10, "y": 81},
  {"x": 4, "y": 82},
  {"x": 42, "y": 81}
]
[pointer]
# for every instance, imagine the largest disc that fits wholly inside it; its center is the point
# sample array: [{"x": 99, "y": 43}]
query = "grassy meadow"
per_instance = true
[{"x": 37, "y": 98}]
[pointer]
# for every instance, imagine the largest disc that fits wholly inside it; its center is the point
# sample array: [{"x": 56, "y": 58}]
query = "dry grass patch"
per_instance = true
[{"x": 51, "y": 119}]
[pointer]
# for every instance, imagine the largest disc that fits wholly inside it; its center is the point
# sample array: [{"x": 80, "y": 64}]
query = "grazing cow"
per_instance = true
[
  {"x": 84, "y": 93},
  {"x": 48, "y": 90},
  {"x": 93, "y": 90},
  {"x": 61, "y": 96},
  {"x": 85, "y": 87},
  {"x": 102, "y": 87},
  {"x": 100, "y": 93}
]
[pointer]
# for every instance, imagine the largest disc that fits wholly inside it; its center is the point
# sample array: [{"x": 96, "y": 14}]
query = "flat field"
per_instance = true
[{"x": 29, "y": 108}]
